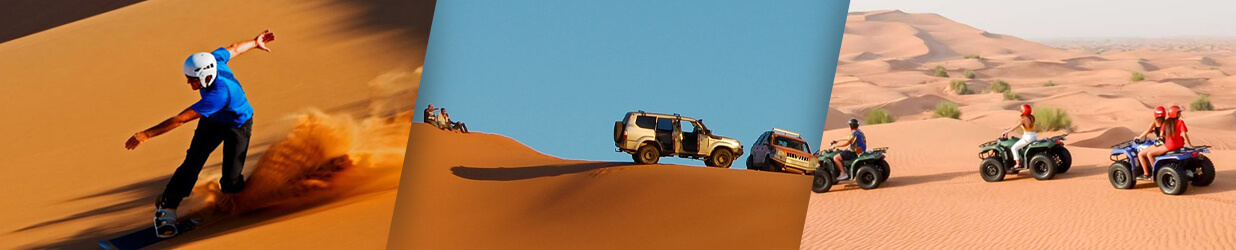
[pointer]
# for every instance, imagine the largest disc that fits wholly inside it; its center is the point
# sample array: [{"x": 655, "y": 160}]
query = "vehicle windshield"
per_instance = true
[{"x": 791, "y": 143}]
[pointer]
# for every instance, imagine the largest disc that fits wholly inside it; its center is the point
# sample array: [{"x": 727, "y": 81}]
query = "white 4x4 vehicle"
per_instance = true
[
  {"x": 650, "y": 136},
  {"x": 780, "y": 150}
]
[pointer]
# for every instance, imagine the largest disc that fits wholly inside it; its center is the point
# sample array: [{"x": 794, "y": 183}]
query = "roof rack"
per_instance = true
[{"x": 786, "y": 132}]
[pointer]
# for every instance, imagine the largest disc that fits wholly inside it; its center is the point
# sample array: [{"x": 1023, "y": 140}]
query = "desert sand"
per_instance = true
[
  {"x": 487, "y": 191},
  {"x": 935, "y": 197},
  {"x": 332, "y": 122}
]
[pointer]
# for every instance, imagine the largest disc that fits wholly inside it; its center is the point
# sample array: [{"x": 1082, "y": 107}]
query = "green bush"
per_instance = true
[
  {"x": 1052, "y": 119},
  {"x": 1049, "y": 84},
  {"x": 969, "y": 74},
  {"x": 999, "y": 86},
  {"x": 941, "y": 72},
  {"x": 1202, "y": 103},
  {"x": 879, "y": 116},
  {"x": 1012, "y": 96},
  {"x": 1137, "y": 77},
  {"x": 959, "y": 87},
  {"x": 973, "y": 56},
  {"x": 947, "y": 109}
]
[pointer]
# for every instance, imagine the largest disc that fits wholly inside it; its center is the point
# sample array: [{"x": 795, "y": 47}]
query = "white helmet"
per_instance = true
[{"x": 201, "y": 65}]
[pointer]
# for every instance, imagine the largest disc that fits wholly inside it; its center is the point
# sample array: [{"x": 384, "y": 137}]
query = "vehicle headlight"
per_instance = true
[{"x": 778, "y": 154}]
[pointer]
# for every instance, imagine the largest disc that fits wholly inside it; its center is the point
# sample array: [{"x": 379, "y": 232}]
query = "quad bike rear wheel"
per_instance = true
[
  {"x": 1204, "y": 173},
  {"x": 1063, "y": 159},
  {"x": 1171, "y": 180},
  {"x": 868, "y": 177},
  {"x": 992, "y": 169},
  {"x": 1121, "y": 176},
  {"x": 1043, "y": 167},
  {"x": 884, "y": 170}
]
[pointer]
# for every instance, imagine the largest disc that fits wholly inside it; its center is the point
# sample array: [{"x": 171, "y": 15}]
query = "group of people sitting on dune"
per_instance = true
[{"x": 439, "y": 118}]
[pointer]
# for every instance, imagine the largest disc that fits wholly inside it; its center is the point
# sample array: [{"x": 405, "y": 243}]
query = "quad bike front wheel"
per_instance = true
[
  {"x": 1043, "y": 167},
  {"x": 1121, "y": 175},
  {"x": 868, "y": 177},
  {"x": 1171, "y": 180},
  {"x": 992, "y": 169},
  {"x": 1204, "y": 172},
  {"x": 822, "y": 181}
]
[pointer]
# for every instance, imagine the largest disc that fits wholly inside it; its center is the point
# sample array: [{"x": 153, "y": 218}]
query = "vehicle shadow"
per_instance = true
[
  {"x": 1082, "y": 172},
  {"x": 521, "y": 173},
  {"x": 1224, "y": 181}
]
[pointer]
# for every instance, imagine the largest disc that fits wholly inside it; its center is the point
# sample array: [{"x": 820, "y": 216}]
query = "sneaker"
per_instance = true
[
  {"x": 1143, "y": 178},
  {"x": 843, "y": 177},
  {"x": 165, "y": 223}
]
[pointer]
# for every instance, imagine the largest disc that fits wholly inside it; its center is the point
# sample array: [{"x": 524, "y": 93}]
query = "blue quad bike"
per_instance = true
[{"x": 1173, "y": 171}]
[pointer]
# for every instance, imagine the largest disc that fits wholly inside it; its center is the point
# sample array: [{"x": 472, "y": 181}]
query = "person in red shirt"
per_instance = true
[{"x": 1175, "y": 136}]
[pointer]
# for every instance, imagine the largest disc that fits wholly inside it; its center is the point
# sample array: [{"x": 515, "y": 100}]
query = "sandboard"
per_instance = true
[{"x": 146, "y": 237}]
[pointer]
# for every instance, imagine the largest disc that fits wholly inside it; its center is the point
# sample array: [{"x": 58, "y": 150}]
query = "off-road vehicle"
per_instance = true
[
  {"x": 1173, "y": 171},
  {"x": 781, "y": 150},
  {"x": 1045, "y": 158},
  {"x": 868, "y": 170},
  {"x": 650, "y": 136}
]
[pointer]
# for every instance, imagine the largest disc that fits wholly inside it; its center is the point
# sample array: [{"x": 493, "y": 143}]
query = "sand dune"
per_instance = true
[
  {"x": 459, "y": 186},
  {"x": 88, "y": 85},
  {"x": 935, "y": 197}
]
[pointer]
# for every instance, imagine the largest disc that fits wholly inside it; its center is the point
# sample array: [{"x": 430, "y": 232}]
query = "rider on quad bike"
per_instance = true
[
  {"x": 1156, "y": 127},
  {"x": 856, "y": 143},
  {"x": 1175, "y": 136},
  {"x": 1026, "y": 123}
]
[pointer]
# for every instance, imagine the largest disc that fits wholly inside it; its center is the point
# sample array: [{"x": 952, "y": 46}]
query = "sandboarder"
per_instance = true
[{"x": 228, "y": 120}]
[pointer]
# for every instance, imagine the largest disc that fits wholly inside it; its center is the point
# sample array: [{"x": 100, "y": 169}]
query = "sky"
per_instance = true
[
  {"x": 556, "y": 74},
  {"x": 1053, "y": 19}
]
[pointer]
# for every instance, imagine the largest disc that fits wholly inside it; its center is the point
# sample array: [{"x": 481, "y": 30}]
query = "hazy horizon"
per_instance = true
[{"x": 1085, "y": 19}]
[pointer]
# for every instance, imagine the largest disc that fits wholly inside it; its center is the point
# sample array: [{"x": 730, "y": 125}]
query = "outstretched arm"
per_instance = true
[
  {"x": 167, "y": 125},
  {"x": 258, "y": 42}
]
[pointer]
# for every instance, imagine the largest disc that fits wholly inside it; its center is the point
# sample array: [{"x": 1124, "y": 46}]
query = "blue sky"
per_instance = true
[{"x": 557, "y": 74}]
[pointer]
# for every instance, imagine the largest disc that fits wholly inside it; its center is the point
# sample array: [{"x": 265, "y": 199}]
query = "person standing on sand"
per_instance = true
[{"x": 228, "y": 120}]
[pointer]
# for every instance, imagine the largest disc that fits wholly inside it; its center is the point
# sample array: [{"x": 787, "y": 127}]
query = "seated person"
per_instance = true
[{"x": 856, "y": 143}]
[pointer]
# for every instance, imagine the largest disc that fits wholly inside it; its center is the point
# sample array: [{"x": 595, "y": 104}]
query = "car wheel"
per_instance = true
[
  {"x": 1204, "y": 173},
  {"x": 822, "y": 182},
  {"x": 647, "y": 154},
  {"x": 1063, "y": 159},
  {"x": 750, "y": 164},
  {"x": 1043, "y": 167},
  {"x": 992, "y": 169},
  {"x": 1171, "y": 180},
  {"x": 722, "y": 158},
  {"x": 868, "y": 177},
  {"x": 1121, "y": 175}
]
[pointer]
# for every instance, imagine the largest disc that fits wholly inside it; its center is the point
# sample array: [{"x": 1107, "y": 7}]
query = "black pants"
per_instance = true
[{"x": 206, "y": 138}]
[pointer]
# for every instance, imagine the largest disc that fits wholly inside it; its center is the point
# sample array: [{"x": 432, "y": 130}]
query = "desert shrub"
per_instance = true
[
  {"x": 1202, "y": 103},
  {"x": 1052, "y": 119},
  {"x": 947, "y": 109},
  {"x": 999, "y": 86},
  {"x": 1012, "y": 96},
  {"x": 973, "y": 56},
  {"x": 1049, "y": 84},
  {"x": 969, "y": 74},
  {"x": 879, "y": 116},
  {"x": 1137, "y": 77},
  {"x": 959, "y": 87},
  {"x": 941, "y": 72}
]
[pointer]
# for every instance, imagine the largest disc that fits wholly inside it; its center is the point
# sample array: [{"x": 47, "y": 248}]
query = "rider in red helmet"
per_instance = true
[
  {"x": 1175, "y": 136},
  {"x": 1156, "y": 127},
  {"x": 1026, "y": 123}
]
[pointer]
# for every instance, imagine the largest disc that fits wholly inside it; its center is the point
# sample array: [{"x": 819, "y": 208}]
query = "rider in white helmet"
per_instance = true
[{"x": 228, "y": 120}]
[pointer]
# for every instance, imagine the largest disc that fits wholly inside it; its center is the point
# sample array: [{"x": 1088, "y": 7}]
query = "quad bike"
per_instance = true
[
  {"x": 1173, "y": 171},
  {"x": 1045, "y": 158},
  {"x": 868, "y": 170}
]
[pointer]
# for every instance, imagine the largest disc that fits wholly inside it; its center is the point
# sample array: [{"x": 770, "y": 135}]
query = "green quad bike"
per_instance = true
[
  {"x": 1046, "y": 158},
  {"x": 868, "y": 170}
]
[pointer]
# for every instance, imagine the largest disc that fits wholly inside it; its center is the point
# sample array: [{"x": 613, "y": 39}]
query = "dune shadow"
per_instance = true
[
  {"x": 521, "y": 173},
  {"x": 23, "y": 18}
]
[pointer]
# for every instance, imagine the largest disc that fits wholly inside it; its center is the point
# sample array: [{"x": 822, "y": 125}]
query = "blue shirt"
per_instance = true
[
  {"x": 224, "y": 101},
  {"x": 858, "y": 141}
]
